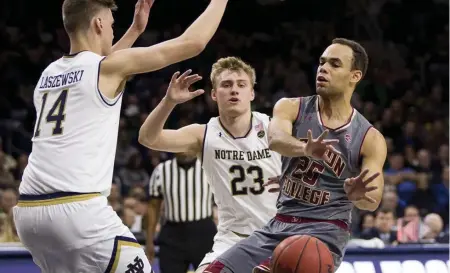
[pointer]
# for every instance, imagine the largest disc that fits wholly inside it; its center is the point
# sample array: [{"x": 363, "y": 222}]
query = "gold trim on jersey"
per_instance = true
[
  {"x": 57, "y": 201},
  {"x": 115, "y": 257}
]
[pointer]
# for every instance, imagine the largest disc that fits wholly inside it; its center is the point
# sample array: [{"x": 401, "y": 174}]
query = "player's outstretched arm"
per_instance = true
[
  {"x": 281, "y": 140},
  {"x": 140, "y": 20},
  {"x": 373, "y": 152},
  {"x": 186, "y": 139},
  {"x": 124, "y": 63}
]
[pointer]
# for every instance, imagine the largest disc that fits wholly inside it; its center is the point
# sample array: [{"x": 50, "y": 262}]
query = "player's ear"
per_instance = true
[
  {"x": 356, "y": 76},
  {"x": 98, "y": 25},
  {"x": 252, "y": 95},
  {"x": 213, "y": 94}
]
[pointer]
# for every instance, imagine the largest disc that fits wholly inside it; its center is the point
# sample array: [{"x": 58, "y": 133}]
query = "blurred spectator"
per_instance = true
[
  {"x": 133, "y": 174},
  {"x": 8, "y": 200},
  {"x": 6, "y": 177},
  {"x": 391, "y": 202},
  {"x": 10, "y": 233},
  {"x": 384, "y": 222},
  {"x": 367, "y": 221},
  {"x": 411, "y": 213},
  {"x": 435, "y": 226},
  {"x": 114, "y": 198},
  {"x": 400, "y": 177}
]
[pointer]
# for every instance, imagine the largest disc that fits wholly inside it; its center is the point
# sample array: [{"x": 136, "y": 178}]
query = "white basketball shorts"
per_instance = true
[{"x": 72, "y": 232}]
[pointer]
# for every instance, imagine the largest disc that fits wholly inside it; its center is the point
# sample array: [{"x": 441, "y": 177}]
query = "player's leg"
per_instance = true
[
  {"x": 245, "y": 255},
  {"x": 78, "y": 236},
  {"x": 222, "y": 242},
  {"x": 332, "y": 235},
  {"x": 108, "y": 247}
]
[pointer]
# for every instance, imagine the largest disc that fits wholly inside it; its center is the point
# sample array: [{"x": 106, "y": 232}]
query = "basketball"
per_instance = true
[{"x": 302, "y": 254}]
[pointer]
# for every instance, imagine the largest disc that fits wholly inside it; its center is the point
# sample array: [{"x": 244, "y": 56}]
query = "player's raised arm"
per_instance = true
[
  {"x": 124, "y": 63},
  {"x": 186, "y": 139},
  {"x": 366, "y": 190},
  {"x": 140, "y": 20},
  {"x": 281, "y": 140}
]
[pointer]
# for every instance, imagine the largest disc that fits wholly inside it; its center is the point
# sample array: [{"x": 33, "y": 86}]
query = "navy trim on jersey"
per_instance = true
[
  {"x": 230, "y": 134},
  {"x": 73, "y": 54},
  {"x": 105, "y": 100},
  {"x": 203, "y": 144},
  {"x": 114, "y": 256}
]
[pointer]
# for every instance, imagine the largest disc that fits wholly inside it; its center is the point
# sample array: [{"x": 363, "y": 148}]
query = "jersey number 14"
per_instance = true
[{"x": 56, "y": 114}]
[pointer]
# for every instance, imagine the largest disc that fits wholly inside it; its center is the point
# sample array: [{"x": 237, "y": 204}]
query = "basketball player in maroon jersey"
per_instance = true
[{"x": 318, "y": 189}]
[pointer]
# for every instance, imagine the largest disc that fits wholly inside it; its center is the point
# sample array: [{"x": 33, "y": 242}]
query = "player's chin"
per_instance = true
[{"x": 322, "y": 90}]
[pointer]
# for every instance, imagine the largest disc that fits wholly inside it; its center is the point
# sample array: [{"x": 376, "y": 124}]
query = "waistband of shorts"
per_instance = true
[
  {"x": 302, "y": 220},
  {"x": 55, "y": 198}
]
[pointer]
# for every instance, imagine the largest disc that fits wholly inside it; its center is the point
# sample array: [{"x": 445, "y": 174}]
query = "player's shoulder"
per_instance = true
[
  {"x": 361, "y": 122},
  {"x": 260, "y": 116}
]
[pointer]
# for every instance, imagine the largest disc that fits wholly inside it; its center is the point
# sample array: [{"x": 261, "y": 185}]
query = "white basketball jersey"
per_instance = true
[
  {"x": 236, "y": 169},
  {"x": 75, "y": 136}
]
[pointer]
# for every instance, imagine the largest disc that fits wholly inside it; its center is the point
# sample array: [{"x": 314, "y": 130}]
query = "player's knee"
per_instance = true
[{"x": 217, "y": 267}]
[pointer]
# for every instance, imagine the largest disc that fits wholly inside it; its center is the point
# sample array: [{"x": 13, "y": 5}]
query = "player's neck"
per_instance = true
[
  {"x": 237, "y": 126},
  {"x": 79, "y": 42},
  {"x": 336, "y": 108}
]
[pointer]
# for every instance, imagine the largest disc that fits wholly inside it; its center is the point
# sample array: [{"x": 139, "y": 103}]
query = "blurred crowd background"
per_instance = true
[{"x": 405, "y": 93}]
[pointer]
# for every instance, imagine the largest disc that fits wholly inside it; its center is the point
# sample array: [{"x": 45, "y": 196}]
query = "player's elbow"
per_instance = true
[
  {"x": 274, "y": 139},
  {"x": 145, "y": 139}
]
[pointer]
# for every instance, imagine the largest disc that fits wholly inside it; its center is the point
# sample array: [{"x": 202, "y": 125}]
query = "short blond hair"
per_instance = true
[{"x": 235, "y": 64}]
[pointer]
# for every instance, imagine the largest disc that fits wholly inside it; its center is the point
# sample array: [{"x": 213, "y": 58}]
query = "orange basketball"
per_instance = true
[{"x": 302, "y": 254}]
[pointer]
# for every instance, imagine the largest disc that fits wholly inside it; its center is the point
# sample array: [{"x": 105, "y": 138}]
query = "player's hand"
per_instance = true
[
  {"x": 317, "y": 147},
  {"x": 178, "y": 91},
  {"x": 273, "y": 181},
  {"x": 141, "y": 13},
  {"x": 150, "y": 251},
  {"x": 357, "y": 187}
]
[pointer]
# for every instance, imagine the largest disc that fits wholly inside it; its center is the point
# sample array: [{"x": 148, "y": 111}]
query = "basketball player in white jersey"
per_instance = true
[
  {"x": 233, "y": 148},
  {"x": 62, "y": 216}
]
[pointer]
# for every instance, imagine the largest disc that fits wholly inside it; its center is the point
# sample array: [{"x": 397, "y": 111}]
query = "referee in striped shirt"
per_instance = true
[{"x": 188, "y": 232}]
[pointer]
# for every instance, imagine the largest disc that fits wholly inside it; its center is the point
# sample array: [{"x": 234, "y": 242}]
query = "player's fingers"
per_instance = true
[
  {"x": 175, "y": 76},
  {"x": 192, "y": 79},
  {"x": 362, "y": 174},
  {"x": 372, "y": 188},
  {"x": 323, "y": 135},
  {"x": 185, "y": 74},
  {"x": 274, "y": 190},
  {"x": 196, "y": 93},
  {"x": 371, "y": 178},
  {"x": 270, "y": 182},
  {"x": 350, "y": 181},
  {"x": 369, "y": 199},
  {"x": 330, "y": 147},
  {"x": 309, "y": 135}
]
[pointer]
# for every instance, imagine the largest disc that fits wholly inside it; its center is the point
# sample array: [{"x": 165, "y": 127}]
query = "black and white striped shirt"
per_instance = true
[{"x": 186, "y": 192}]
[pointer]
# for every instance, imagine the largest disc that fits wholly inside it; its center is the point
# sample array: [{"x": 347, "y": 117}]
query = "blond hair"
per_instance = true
[{"x": 234, "y": 64}]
